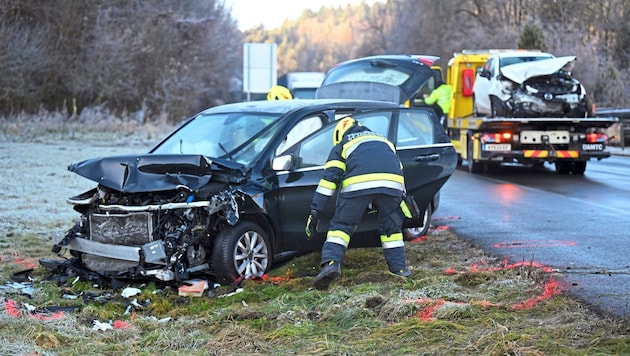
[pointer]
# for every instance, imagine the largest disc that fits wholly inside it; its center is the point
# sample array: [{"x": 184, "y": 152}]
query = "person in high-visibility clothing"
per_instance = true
[
  {"x": 278, "y": 92},
  {"x": 365, "y": 167},
  {"x": 440, "y": 100}
]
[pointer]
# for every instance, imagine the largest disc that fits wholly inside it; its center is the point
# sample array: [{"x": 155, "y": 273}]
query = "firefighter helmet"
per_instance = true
[
  {"x": 342, "y": 126},
  {"x": 279, "y": 92}
]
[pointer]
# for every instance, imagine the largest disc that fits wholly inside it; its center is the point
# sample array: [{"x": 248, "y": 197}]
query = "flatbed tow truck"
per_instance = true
[{"x": 486, "y": 142}]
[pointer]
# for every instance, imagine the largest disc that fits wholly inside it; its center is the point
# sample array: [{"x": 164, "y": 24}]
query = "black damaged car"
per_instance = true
[{"x": 226, "y": 195}]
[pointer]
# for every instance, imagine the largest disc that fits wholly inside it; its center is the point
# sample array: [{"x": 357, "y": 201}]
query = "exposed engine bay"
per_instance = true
[
  {"x": 137, "y": 232},
  {"x": 543, "y": 88}
]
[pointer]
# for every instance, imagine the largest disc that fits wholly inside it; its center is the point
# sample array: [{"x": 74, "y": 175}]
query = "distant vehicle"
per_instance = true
[
  {"x": 302, "y": 85},
  {"x": 529, "y": 84},
  {"x": 227, "y": 194}
]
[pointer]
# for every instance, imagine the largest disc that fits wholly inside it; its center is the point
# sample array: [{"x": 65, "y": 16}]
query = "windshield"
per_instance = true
[
  {"x": 514, "y": 60},
  {"x": 236, "y": 136}
]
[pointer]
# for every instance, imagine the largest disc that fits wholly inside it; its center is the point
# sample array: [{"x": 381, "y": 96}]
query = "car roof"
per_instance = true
[
  {"x": 524, "y": 54},
  {"x": 407, "y": 58},
  {"x": 284, "y": 106}
]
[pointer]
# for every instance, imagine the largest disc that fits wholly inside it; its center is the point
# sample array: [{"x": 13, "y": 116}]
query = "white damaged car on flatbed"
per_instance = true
[{"x": 529, "y": 84}]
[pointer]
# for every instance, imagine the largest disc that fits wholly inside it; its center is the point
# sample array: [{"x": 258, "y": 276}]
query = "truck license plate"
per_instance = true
[{"x": 497, "y": 147}]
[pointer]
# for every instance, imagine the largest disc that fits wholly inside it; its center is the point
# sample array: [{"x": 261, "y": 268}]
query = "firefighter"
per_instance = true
[
  {"x": 440, "y": 100},
  {"x": 365, "y": 167},
  {"x": 279, "y": 92}
]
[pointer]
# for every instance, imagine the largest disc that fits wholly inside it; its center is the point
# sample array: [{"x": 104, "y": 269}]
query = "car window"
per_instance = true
[
  {"x": 514, "y": 60},
  {"x": 491, "y": 66},
  {"x": 377, "y": 122},
  {"x": 236, "y": 136},
  {"x": 365, "y": 72},
  {"x": 314, "y": 150},
  {"x": 299, "y": 131},
  {"x": 415, "y": 128}
]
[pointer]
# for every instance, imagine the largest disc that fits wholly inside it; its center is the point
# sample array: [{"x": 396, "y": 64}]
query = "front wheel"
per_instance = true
[
  {"x": 242, "y": 250},
  {"x": 412, "y": 233}
]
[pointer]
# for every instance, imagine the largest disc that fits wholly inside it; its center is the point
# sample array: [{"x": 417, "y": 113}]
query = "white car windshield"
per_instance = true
[
  {"x": 506, "y": 61},
  {"x": 236, "y": 136}
]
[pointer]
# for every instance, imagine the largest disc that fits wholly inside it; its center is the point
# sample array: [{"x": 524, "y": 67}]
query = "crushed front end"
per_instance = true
[{"x": 151, "y": 216}]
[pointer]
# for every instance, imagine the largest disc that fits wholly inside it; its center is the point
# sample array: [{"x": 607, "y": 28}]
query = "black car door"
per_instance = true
[{"x": 425, "y": 151}]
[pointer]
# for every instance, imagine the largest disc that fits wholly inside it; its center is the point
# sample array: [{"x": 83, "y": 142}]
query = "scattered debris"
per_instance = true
[
  {"x": 193, "y": 288},
  {"x": 130, "y": 292}
]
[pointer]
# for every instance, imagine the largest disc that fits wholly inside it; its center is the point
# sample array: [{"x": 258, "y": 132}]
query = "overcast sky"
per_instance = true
[{"x": 272, "y": 13}]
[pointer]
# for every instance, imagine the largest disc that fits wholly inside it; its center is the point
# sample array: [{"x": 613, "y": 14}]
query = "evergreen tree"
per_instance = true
[{"x": 532, "y": 37}]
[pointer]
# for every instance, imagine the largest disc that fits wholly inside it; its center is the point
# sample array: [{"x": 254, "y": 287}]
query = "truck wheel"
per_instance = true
[
  {"x": 242, "y": 250},
  {"x": 413, "y": 233},
  {"x": 578, "y": 167},
  {"x": 562, "y": 167}
]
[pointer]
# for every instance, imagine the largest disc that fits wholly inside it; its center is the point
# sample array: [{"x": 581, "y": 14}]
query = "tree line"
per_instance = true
[{"x": 178, "y": 57}]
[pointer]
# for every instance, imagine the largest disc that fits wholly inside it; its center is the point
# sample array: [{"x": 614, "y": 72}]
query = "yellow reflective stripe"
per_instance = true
[
  {"x": 373, "y": 177},
  {"x": 405, "y": 209},
  {"x": 335, "y": 163},
  {"x": 326, "y": 184},
  {"x": 398, "y": 236},
  {"x": 349, "y": 147},
  {"x": 339, "y": 237},
  {"x": 326, "y": 188},
  {"x": 392, "y": 241}
]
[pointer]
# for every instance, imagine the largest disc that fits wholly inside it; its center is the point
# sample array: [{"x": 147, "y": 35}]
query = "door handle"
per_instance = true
[{"x": 431, "y": 157}]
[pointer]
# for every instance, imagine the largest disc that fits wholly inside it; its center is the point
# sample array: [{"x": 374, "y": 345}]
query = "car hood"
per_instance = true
[
  {"x": 360, "y": 91},
  {"x": 154, "y": 172},
  {"x": 520, "y": 72}
]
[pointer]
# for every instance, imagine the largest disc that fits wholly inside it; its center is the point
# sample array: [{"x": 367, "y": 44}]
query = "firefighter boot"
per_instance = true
[
  {"x": 332, "y": 256},
  {"x": 397, "y": 261},
  {"x": 330, "y": 271}
]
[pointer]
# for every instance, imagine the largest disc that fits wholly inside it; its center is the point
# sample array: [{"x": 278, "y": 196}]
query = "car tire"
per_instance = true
[
  {"x": 413, "y": 233},
  {"x": 496, "y": 107},
  {"x": 242, "y": 250}
]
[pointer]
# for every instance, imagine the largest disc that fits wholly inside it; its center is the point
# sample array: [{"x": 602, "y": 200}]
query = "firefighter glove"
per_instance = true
[{"x": 311, "y": 223}]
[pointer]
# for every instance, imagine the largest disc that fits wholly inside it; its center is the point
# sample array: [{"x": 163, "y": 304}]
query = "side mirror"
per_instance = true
[{"x": 282, "y": 163}]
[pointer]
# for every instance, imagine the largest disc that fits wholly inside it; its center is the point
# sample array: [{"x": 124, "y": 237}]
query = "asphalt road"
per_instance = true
[{"x": 577, "y": 225}]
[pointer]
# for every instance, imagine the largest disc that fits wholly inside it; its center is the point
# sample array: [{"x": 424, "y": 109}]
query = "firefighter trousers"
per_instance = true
[{"x": 348, "y": 213}]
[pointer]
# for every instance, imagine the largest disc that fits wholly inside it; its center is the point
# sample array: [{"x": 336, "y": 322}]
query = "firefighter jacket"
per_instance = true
[
  {"x": 363, "y": 162},
  {"x": 442, "y": 96}
]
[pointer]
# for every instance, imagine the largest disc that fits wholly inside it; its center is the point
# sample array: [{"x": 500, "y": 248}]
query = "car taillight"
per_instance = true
[
  {"x": 596, "y": 137},
  {"x": 496, "y": 137}
]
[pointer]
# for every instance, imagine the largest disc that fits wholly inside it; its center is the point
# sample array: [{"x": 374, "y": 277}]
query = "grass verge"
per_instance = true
[{"x": 458, "y": 301}]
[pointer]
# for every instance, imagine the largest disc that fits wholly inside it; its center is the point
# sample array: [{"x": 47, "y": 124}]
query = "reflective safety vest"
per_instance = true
[
  {"x": 363, "y": 163},
  {"x": 442, "y": 95}
]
